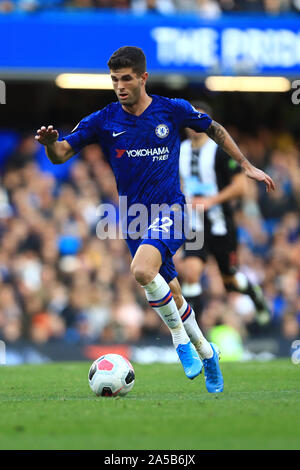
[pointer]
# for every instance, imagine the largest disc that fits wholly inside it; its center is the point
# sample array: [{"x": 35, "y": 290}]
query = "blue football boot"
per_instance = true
[
  {"x": 191, "y": 363},
  {"x": 212, "y": 372}
]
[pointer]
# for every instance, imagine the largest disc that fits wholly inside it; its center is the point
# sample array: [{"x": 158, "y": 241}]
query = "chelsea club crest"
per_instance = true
[{"x": 162, "y": 131}]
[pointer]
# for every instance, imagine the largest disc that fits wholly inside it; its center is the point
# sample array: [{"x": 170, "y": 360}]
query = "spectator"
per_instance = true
[
  {"x": 154, "y": 6},
  {"x": 249, "y": 5},
  {"x": 128, "y": 315},
  {"x": 275, "y": 7},
  {"x": 284, "y": 167},
  {"x": 7, "y": 6},
  {"x": 208, "y": 8},
  {"x": 80, "y": 4}
]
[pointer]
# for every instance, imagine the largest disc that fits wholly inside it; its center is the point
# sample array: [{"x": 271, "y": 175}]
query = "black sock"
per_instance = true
[
  {"x": 244, "y": 286},
  {"x": 194, "y": 296},
  {"x": 196, "y": 302}
]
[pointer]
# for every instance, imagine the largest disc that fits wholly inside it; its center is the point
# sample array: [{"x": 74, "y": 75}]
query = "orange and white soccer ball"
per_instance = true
[{"x": 111, "y": 375}]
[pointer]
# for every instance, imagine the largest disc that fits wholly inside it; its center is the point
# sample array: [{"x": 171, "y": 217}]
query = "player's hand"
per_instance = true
[
  {"x": 46, "y": 135},
  {"x": 259, "y": 175}
]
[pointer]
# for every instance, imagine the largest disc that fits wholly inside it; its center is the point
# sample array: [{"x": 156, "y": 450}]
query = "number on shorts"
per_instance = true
[{"x": 163, "y": 227}]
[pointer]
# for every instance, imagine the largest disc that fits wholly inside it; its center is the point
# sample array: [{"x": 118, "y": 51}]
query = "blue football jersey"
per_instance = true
[{"x": 143, "y": 151}]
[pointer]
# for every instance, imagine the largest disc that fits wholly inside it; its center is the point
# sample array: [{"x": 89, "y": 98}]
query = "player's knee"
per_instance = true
[
  {"x": 142, "y": 274},
  {"x": 192, "y": 270},
  {"x": 192, "y": 277}
]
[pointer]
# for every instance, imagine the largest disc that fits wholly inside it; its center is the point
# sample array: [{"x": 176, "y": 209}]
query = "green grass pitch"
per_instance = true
[{"x": 51, "y": 406}]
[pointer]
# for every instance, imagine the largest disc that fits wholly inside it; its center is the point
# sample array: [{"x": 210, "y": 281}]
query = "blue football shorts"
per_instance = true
[{"x": 166, "y": 232}]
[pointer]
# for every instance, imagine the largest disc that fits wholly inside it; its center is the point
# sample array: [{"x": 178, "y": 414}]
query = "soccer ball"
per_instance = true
[{"x": 111, "y": 375}]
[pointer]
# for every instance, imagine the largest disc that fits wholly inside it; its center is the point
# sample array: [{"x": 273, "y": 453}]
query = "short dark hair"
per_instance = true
[
  {"x": 203, "y": 106},
  {"x": 128, "y": 56}
]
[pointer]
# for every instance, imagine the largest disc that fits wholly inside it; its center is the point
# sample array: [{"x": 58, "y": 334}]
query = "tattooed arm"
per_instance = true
[{"x": 219, "y": 134}]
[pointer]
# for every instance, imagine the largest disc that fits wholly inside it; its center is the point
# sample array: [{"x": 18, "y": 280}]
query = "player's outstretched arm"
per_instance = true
[
  {"x": 57, "y": 152},
  {"x": 219, "y": 134}
]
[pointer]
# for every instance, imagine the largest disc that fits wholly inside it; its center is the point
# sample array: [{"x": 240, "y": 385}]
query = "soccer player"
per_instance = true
[
  {"x": 140, "y": 136},
  {"x": 212, "y": 179}
]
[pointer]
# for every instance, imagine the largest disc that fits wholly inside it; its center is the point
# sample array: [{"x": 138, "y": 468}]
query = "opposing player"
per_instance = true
[
  {"x": 140, "y": 136},
  {"x": 212, "y": 179}
]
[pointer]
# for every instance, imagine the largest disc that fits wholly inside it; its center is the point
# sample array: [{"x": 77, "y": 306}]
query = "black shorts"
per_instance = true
[{"x": 222, "y": 247}]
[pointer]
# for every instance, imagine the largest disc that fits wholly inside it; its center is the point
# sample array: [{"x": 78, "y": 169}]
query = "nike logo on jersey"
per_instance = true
[{"x": 115, "y": 134}]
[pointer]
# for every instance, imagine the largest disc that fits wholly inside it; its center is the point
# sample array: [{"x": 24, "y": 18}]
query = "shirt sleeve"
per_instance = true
[
  {"x": 188, "y": 116},
  {"x": 85, "y": 133}
]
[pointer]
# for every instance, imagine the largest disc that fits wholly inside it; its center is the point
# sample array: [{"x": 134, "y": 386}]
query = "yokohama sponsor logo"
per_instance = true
[
  {"x": 154, "y": 152},
  {"x": 148, "y": 152}
]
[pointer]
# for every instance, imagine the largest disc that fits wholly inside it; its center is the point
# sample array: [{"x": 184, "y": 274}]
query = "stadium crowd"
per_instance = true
[
  {"x": 61, "y": 282},
  {"x": 207, "y": 8}
]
